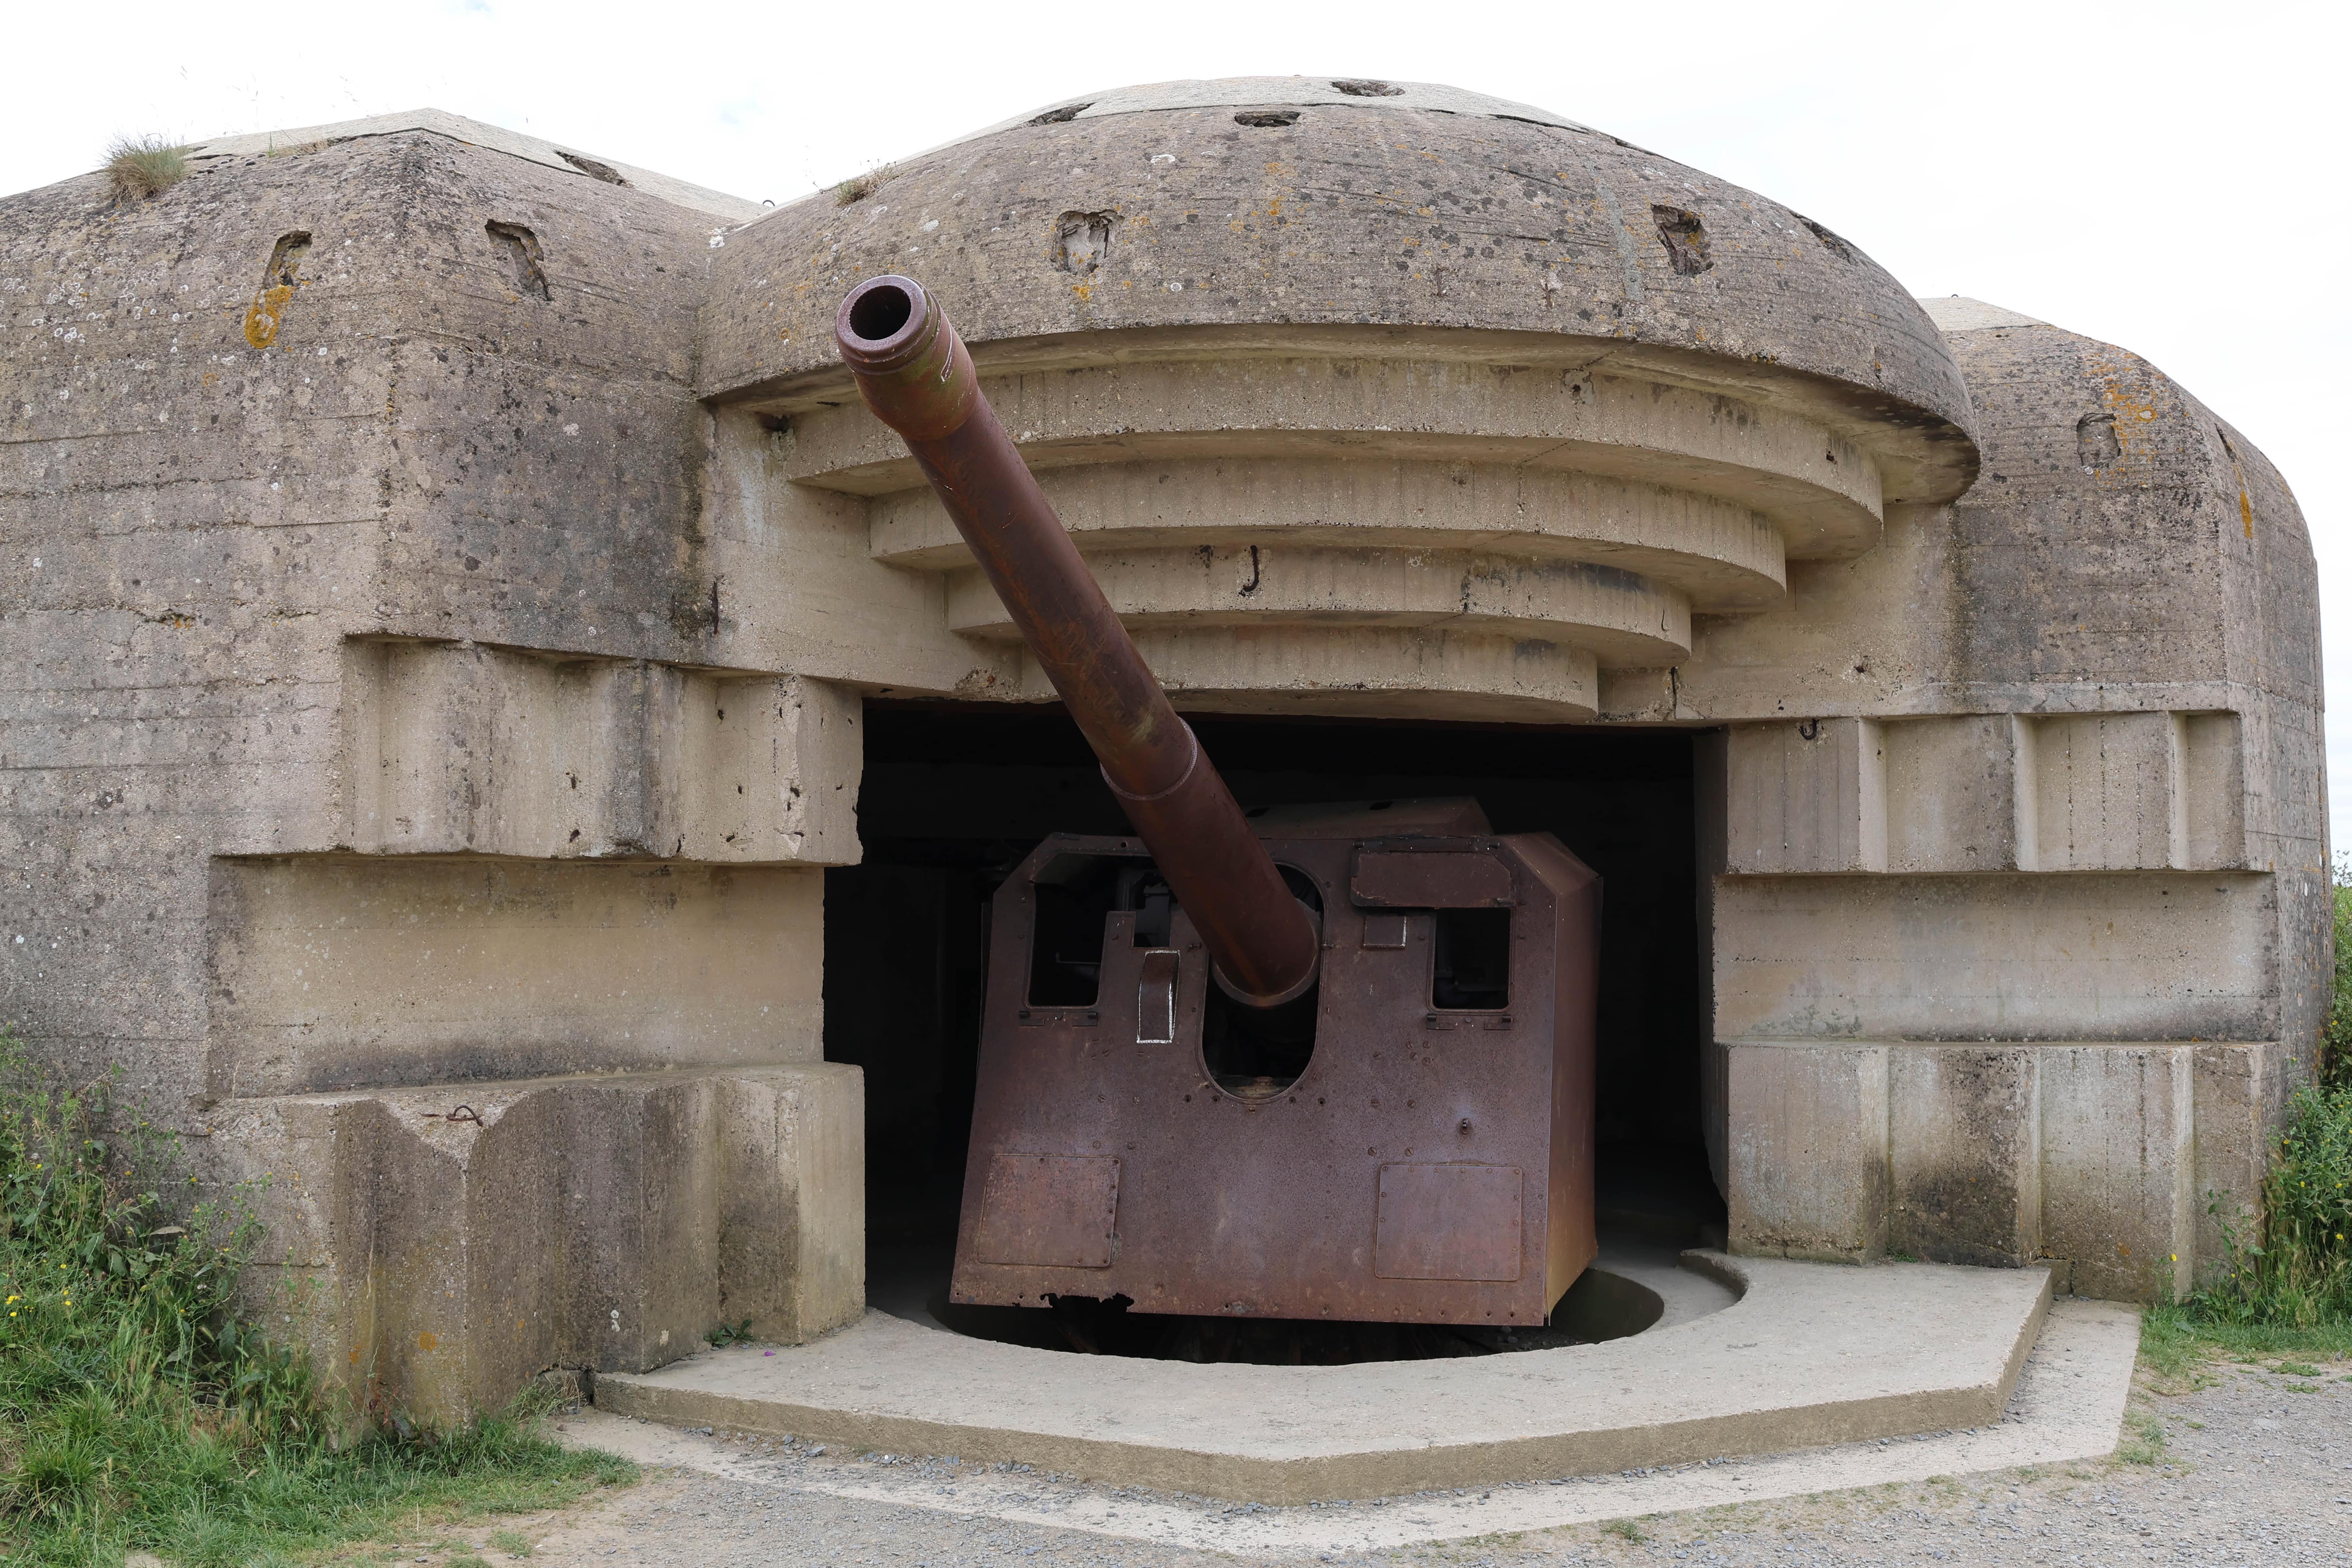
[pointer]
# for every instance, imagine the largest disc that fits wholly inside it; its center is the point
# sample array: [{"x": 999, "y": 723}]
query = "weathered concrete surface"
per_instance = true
[
  {"x": 1370, "y": 211},
  {"x": 2000, "y": 956},
  {"x": 438, "y": 1251},
  {"x": 2102, "y": 689},
  {"x": 1810, "y": 1354},
  {"x": 1964, "y": 1154},
  {"x": 377, "y": 720},
  {"x": 1806, "y": 1151},
  {"x": 476, "y": 134},
  {"x": 442, "y": 576},
  {"x": 344, "y": 971},
  {"x": 2102, "y": 1157},
  {"x": 433, "y": 446},
  {"x": 459, "y": 748},
  {"x": 2068, "y": 1406}
]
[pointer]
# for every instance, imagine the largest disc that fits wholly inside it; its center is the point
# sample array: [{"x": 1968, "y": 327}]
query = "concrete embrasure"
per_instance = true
[
  {"x": 2068, "y": 1405},
  {"x": 1812, "y": 1354}
]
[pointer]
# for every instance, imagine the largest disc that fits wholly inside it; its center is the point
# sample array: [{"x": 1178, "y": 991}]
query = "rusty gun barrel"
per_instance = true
[{"x": 916, "y": 376}]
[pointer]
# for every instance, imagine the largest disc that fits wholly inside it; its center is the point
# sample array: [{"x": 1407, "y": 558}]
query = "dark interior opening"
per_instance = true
[
  {"x": 1254, "y": 1052},
  {"x": 1065, "y": 959},
  {"x": 879, "y": 313},
  {"x": 955, "y": 795},
  {"x": 1473, "y": 967}
]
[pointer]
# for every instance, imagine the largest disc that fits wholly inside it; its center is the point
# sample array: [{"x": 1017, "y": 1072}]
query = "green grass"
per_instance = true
[
  {"x": 141, "y": 166},
  {"x": 2335, "y": 1035},
  {"x": 2284, "y": 1291},
  {"x": 139, "y": 1414},
  {"x": 2143, "y": 1442},
  {"x": 2297, "y": 1272},
  {"x": 2287, "y": 1287},
  {"x": 857, "y": 187}
]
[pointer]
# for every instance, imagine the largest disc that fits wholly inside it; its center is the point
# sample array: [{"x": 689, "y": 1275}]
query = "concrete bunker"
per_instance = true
[{"x": 543, "y": 715}]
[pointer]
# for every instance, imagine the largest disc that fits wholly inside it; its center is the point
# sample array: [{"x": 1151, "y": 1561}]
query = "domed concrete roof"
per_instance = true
[
  {"x": 2122, "y": 533},
  {"x": 1426, "y": 214}
]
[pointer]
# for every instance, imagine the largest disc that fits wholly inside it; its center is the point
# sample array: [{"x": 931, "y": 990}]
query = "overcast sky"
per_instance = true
[{"x": 2171, "y": 178}]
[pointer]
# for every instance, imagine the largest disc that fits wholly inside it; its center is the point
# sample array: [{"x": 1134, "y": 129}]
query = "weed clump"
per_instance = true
[
  {"x": 139, "y": 1412},
  {"x": 2143, "y": 1442},
  {"x": 143, "y": 167},
  {"x": 857, "y": 187},
  {"x": 2336, "y": 1035},
  {"x": 2295, "y": 1272}
]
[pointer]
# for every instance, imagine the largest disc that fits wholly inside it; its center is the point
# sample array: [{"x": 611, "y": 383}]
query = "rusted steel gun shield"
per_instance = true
[{"x": 914, "y": 374}]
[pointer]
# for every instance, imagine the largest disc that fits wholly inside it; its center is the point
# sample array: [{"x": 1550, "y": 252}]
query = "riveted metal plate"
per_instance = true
[
  {"x": 1449, "y": 1222},
  {"x": 1048, "y": 1211}
]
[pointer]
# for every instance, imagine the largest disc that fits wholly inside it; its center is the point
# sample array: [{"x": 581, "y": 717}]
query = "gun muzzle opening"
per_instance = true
[{"x": 880, "y": 315}]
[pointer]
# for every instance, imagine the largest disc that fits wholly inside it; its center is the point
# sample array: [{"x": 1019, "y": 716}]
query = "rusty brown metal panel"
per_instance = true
[
  {"x": 1429, "y": 880},
  {"x": 1573, "y": 1239},
  {"x": 1241, "y": 1199},
  {"x": 1048, "y": 1210},
  {"x": 1449, "y": 1222}
]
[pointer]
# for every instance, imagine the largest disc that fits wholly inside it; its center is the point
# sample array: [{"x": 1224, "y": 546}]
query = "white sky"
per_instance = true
[{"x": 2168, "y": 177}]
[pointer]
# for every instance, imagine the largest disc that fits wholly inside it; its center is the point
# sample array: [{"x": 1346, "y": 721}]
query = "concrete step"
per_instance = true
[
  {"x": 2068, "y": 1407},
  {"x": 1809, "y": 1355}
]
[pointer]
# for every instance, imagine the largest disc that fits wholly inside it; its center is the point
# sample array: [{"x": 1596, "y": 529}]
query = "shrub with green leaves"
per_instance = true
[
  {"x": 139, "y": 1413},
  {"x": 2335, "y": 1037},
  {"x": 2295, "y": 1271},
  {"x": 2298, "y": 1271}
]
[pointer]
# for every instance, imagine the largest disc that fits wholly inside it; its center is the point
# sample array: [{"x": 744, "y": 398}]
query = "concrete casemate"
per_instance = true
[{"x": 448, "y": 583}]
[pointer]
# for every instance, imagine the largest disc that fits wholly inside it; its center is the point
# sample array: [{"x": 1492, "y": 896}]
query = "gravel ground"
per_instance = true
[{"x": 2252, "y": 1468}]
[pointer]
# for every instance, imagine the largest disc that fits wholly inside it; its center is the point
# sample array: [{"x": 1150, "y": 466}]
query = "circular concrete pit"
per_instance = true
[
  {"x": 1744, "y": 1356},
  {"x": 1629, "y": 1291}
]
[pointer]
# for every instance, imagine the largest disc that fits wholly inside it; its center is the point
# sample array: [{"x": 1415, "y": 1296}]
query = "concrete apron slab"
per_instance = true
[
  {"x": 2068, "y": 1405},
  {"x": 1809, "y": 1354}
]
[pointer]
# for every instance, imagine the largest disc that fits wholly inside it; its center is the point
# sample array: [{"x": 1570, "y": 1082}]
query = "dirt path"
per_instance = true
[{"x": 2255, "y": 1469}]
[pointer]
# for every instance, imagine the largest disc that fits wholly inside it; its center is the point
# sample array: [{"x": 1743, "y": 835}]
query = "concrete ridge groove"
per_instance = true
[
  {"x": 1822, "y": 492},
  {"x": 1725, "y": 555},
  {"x": 1908, "y": 468},
  {"x": 1815, "y": 523},
  {"x": 1621, "y": 618}
]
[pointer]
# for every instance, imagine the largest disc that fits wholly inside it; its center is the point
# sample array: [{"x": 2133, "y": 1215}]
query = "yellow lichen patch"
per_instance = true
[
  {"x": 1082, "y": 290},
  {"x": 2246, "y": 514},
  {"x": 268, "y": 308}
]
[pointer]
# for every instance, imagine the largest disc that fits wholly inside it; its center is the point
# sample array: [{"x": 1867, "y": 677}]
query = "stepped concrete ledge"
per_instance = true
[
  {"x": 1809, "y": 1354},
  {"x": 2068, "y": 1406}
]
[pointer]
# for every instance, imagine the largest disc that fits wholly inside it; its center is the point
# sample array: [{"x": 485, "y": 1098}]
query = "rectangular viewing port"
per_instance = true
[{"x": 1473, "y": 967}]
